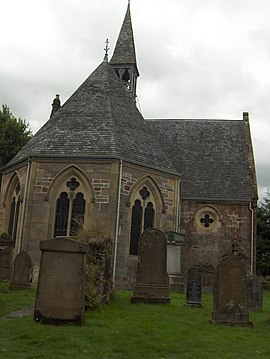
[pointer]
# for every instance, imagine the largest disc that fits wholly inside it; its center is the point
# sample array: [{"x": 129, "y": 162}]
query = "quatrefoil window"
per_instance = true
[{"x": 206, "y": 220}]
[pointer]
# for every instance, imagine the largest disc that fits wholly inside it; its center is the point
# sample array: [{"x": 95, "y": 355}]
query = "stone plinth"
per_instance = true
[
  {"x": 152, "y": 283},
  {"x": 61, "y": 283}
]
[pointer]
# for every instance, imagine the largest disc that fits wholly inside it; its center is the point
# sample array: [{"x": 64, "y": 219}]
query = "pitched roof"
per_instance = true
[
  {"x": 124, "y": 52},
  {"x": 100, "y": 120},
  {"x": 211, "y": 157}
]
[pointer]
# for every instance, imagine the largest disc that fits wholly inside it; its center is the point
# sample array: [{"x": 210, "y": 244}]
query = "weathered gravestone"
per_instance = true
[
  {"x": 22, "y": 271},
  {"x": 206, "y": 275},
  {"x": 61, "y": 283},
  {"x": 230, "y": 292},
  {"x": 193, "y": 289},
  {"x": 254, "y": 292},
  {"x": 7, "y": 246},
  {"x": 152, "y": 283}
]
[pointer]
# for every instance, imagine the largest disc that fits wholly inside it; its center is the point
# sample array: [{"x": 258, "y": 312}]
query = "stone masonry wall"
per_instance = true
[{"x": 206, "y": 244}]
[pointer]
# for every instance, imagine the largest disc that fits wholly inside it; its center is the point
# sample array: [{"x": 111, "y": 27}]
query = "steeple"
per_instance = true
[{"x": 123, "y": 60}]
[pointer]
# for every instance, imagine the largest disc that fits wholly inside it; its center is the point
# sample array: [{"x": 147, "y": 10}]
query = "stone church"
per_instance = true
[{"x": 98, "y": 162}]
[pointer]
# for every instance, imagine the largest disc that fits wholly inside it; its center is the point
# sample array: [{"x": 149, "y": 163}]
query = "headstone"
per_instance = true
[
  {"x": 7, "y": 246},
  {"x": 152, "y": 282},
  {"x": 61, "y": 283},
  {"x": 22, "y": 271},
  {"x": 174, "y": 243},
  {"x": 206, "y": 275},
  {"x": 193, "y": 289},
  {"x": 254, "y": 292},
  {"x": 230, "y": 292}
]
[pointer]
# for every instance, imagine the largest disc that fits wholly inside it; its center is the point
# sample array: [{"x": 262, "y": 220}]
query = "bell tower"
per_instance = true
[{"x": 123, "y": 60}]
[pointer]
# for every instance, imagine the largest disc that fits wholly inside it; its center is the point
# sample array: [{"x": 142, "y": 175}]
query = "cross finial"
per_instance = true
[{"x": 106, "y": 49}]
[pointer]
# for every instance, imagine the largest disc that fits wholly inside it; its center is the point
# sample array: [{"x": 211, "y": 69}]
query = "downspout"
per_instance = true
[
  {"x": 252, "y": 239},
  {"x": 24, "y": 203},
  {"x": 117, "y": 218},
  {"x": 177, "y": 224}
]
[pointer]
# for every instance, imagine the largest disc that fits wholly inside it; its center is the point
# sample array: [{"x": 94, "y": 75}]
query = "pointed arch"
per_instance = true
[
  {"x": 70, "y": 171},
  {"x": 69, "y": 198},
  {"x": 12, "y": 202},
  {"x": 12, "y": 183},
  {"x": 149, "y": 182},
  {"x": 146, "y": 202}
]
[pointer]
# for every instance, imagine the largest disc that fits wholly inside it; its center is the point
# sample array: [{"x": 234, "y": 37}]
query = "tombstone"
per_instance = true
[
  {"x": 61, "y": 283},
  {"x": 174, "y": 243},
  {"x": 193, "y": 289},
  {"x": 152, "y": 282},
  {"x": 206, "y": 275},
  {"x": 254, "y": 292},
  {"x": 7, "y": 246},
  {"x": 230, "y": 292},
  {"x": 22, "y": 271}
]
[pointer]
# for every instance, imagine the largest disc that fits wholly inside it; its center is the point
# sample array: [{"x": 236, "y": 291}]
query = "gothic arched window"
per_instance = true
[
  {"x": 14, "y": 212},
  {"x": 136, "y": 225},
  {"x": 70, "y": 210},
  {"x": 77, "y": 215},
  {"x": 143, "y": 217},
  {"x": 61, "y": 215},
  {"x": 149, "y": 216}
]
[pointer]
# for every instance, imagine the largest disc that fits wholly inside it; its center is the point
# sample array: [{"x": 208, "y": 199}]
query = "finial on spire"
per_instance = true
[{"x": 106, "y": 49}]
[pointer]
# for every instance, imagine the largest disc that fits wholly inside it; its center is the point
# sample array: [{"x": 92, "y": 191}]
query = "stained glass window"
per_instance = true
[
  {"x": 77, "y": 215},
  {"x": 149, "y": 215},
  {"x": 136, "y": 224},
  {"x": 11, "y": 217},
  {"x": 61, "y": 215}
]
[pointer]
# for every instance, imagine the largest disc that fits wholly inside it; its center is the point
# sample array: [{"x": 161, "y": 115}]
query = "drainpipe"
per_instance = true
[
  {"x": 177, "y": 224},
  {"x": 252, "y": 239},
  {"x": 24, "y": 204},
  {"x": 117, "y": 218}
]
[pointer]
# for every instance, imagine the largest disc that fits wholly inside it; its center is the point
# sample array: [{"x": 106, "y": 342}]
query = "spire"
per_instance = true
[{"x": 124, "y": 57}]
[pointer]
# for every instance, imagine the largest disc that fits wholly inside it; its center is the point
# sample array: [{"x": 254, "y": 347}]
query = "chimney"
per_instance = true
[
  {"x": 55, "y": 105},
  {"x": 246, "y": 116}
]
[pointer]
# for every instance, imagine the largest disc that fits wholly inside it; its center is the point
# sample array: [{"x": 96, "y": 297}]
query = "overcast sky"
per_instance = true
[{"x": 197, "y": 58}]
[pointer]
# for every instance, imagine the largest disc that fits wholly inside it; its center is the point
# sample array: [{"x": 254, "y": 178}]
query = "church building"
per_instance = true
[{"x": 98, "y": 163}]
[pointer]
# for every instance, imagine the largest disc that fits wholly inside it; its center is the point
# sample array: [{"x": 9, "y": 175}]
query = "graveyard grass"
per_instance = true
[{"x": 131, "y": 331}]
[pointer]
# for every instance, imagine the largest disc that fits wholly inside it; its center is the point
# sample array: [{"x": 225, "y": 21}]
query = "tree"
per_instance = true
[
  {"x": 263, "y": 236},
  {"x": 14, "y": 134}
]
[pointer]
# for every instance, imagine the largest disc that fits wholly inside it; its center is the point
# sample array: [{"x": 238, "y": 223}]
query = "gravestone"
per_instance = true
[
  {"x": 206, "y": 275},
  {"x": 152, "y": 282},
  {"x": 254, "y": 292},
  {"x": 193, "y": 289},
  {"x": 22, "y": 271},
  {"x": 7, "y": 246},
  {"x": 61, "y": 283},
  {"x": 230, "y": 292}
]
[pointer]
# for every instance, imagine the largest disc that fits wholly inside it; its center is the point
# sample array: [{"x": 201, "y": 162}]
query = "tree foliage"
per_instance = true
[
  {"x": 14, "y": 134},
  {"x": 263, "y": 236}
]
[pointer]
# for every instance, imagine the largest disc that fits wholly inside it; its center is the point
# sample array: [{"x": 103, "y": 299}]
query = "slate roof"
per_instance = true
[
  {"x": 100, "y": 120},
  {"x": 211, "y": 157},
  {"x": 124, "y": 52}
]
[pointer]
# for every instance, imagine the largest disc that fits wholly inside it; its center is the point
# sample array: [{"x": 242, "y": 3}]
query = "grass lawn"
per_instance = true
[{"x": 132, "y": 331}]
